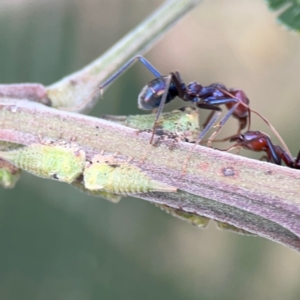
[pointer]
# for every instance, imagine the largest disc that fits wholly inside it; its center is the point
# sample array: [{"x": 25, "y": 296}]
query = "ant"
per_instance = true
[
  {"x": 259, "y": 141},
  {"x": 164, "y": 89}
]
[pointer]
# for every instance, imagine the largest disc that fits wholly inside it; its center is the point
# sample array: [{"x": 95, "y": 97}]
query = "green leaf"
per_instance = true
[
  {"x": 289, "y": 14},
  {"x": 276, "y": 4}
]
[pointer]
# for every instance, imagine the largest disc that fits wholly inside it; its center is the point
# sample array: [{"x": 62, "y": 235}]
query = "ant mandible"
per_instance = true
[
  {"x": 259, "y": 141},
  {"x": 164, "y": 89}
]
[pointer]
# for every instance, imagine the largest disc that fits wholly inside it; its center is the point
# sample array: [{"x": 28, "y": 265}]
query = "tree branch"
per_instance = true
[
  {"x": 260, "y": 197},
  {"x": 256, "y": 196}
]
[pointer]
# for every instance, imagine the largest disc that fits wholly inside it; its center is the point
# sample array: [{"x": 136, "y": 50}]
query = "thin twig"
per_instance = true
[{"x": 74, "y": 89}]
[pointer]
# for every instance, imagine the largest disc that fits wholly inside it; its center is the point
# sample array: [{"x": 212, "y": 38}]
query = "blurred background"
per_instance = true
[{"x": 57, "y": 243}]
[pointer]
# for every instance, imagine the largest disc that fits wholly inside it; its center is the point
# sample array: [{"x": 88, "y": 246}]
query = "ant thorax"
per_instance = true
[{"x": 192, "y": 91}]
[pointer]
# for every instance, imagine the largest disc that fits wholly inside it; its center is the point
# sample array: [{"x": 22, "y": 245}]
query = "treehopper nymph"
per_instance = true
[
  {"x": 9, "y": 174},
  {"x": 103, "y": 173},
  {"x": 97, "y": 193},
  {"x": 229, "y": 227},
  {"x": 189, "y": 217},
  {"x": 201, "y": 221},
  {"x": 63, "y": 162},
  {"x": 179, "y": 125}
]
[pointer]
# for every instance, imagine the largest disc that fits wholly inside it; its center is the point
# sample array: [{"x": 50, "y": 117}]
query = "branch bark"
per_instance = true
[{"x": 256, "y": 196}]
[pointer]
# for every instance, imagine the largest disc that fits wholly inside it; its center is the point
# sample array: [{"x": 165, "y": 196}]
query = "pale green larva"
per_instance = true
[
  {"x": 97, "y": 193},
  {"x": 189, "y": 217},
  {"x": 181, "y": 124},
  {"x": 61, "y": 162},
  {"x": 120, "y": 178},
  {"x": 229, "y": 227},
  {"x": 9, "y": 174},
  {"x": 201, "y": 221}
]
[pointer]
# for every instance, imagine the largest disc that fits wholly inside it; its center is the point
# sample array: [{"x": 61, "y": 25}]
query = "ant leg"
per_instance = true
[
  {"x": 262, "y": 117},
  {"x": 176, "y": 79},
  {"x": 235, "y": 146},
  {"x": 274, "y": 131},
  {"x": 159, "y": 111},
  {"x": 208, "y": 119},
  {"x": 242, "y": 126},
  {"x": 221, "y": 124},
  {"x": 244, "y": 102},
  {"x": 127, "y": 65},
  {"x": 274, "y": 152},
  {"x": 265, "y": 158},
  {"x": 210, "y": 124},
  {"x": 161, "y": 104},
  {"x": 297, "y": 160},
  {"x": 118, "y": 73}
]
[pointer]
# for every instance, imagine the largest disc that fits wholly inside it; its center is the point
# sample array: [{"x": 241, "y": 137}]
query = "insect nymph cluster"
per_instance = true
[
  {"x": 68, "y": 163},
  {"x": 104, "y": 175}
]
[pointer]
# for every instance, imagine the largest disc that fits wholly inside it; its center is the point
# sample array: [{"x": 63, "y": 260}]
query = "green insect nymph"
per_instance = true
[
  {"x": 63, "y": 162},
  {"x": 120, "y": 178},
  {"x": 194, "y": 219},
  {"x": 181, "y": 124},
  {"x": 9, "y": 174},
  {"x": 97, "y": 193}
]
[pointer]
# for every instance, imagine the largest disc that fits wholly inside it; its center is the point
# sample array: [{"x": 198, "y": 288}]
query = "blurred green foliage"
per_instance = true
[{"x": 290, "y": 15}]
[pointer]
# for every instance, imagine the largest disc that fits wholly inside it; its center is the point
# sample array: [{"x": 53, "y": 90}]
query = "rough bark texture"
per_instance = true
[{"x": 256, "y": 196}]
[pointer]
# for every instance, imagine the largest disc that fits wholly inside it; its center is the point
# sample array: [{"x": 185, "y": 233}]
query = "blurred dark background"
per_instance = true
[{"x": 57, "y": 243}]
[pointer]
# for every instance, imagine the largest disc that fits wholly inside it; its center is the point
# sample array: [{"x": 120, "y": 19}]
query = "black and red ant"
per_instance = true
[
  {"x": 164, "y": 89},
  {"x": 259, "y": 141}
]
